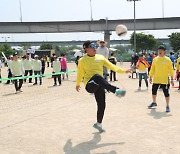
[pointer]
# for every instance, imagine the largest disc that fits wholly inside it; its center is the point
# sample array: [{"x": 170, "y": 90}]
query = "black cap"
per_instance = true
[
  {"x": 86, "y": 44},
  {"x": 162, "y": 47}
]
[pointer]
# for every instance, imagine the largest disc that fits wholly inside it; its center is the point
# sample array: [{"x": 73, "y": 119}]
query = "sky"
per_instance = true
[{"x": 79, "y": 10}]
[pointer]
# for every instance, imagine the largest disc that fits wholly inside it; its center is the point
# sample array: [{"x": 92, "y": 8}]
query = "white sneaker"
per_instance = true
[
  {"x": 100, "y": 129},
  {"x": 139, "y": 88},
  {"x": 147, "y": 88}
]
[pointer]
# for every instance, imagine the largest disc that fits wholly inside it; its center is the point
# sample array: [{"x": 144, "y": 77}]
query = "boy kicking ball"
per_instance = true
[{"x": 90, "y": 69}]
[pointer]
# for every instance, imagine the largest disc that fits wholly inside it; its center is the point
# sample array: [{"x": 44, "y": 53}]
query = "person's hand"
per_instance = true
[
  {"x": 129, "y": 70},
  {"x": 78, "y": 88},
  {"x": 150, "y": 80}
]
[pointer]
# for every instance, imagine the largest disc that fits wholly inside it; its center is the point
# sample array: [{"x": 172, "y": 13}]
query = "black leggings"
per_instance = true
[
  {"x": 165, "y": 88},
  {"x": 18, "y": 85},
  {"x": 97, "y": 85}
]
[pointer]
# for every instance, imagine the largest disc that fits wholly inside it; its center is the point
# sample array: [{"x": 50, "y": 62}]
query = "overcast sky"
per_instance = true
[{"x": 77, "y": 10}]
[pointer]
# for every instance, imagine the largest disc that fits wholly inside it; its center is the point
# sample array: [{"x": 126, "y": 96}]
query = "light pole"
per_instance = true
[
  {"x": 20, "y": 10},
  {"x": 163, "y": 8},
  {"x": 134, "y": 23},
  {"x": 91, "y": 10}
]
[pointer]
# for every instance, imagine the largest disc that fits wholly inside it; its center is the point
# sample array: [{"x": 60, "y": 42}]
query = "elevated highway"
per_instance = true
[{"x": 88, "y": 26}]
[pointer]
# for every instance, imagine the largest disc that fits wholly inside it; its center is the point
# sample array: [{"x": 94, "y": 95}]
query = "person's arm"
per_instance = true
[
  {"x": 80, "y": 74},
  {"x": 114, "y": 67}
]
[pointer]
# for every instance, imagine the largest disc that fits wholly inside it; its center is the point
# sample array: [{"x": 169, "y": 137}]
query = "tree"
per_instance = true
[
  {"x": 174, "y": 40},
  {"x": 25, "y": 46},
  {"x": 6, "y": 49},
  {"x": 143, "y": 42},
  {"x": 46, "y": 46},
  {"x": 121, "y": 49}
]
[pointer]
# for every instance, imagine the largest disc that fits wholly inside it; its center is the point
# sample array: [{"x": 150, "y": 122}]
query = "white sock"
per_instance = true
[{"x": 99, "y": 124}]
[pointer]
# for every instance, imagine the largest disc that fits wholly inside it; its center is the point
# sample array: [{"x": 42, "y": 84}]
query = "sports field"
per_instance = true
[{"x": 56, "y": 120}]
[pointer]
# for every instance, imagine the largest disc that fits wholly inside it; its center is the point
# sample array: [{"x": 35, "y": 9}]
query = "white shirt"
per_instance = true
[
  {"x": 27, "y": 64},
  {"x": 9, "y": 63},
  {"x": 103, "y": 51},
  {"x": 56, "y": 66},
  {"x": 37, "y": 65},
  {"x": 17, "y": 68}
]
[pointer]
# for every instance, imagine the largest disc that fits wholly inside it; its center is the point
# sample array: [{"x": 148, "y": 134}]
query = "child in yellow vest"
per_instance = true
[{"x": 142, "y": 66}]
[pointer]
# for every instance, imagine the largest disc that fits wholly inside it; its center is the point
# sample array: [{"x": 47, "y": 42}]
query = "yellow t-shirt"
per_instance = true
[
  {"x": 178, "y": 64},
  {"x": 89, "y": 66},
  {"x": 161, "y": 69}
]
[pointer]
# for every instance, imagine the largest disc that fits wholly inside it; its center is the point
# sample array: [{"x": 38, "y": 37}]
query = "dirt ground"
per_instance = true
[{"x": 56, "y": 120}]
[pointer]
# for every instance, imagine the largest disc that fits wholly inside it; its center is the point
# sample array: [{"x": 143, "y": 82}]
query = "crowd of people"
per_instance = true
[
  {"x": 23, "y": 68},
  {"x": 92, "y": 70}
]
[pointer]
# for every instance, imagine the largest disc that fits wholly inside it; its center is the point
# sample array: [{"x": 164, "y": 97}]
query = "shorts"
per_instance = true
[{"x": 165, "y": 88}]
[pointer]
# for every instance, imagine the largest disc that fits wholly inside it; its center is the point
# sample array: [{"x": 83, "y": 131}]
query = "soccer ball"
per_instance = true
[{"x": 121, "y": 30}]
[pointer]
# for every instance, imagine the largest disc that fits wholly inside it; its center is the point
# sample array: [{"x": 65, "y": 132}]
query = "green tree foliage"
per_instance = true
[
  {"x": 144, "y": 42},
  {"x": 121, "y": 49},
  {"x": 65, "y": 49},
  {"x": 46, "y": 46},
  {"x": 6, "y": 49},
  {"x": 26, "y": 46},
  {"x": 174, "y": 40}
]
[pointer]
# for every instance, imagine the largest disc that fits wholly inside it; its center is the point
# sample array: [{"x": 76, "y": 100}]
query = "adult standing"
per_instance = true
[
  {"x": 121, "y": 59},
  {"x": 17, "y": 70},
  {"x": 43, "y": 62},
  {"x": 37, "y": 66},
  {"x": 113, "y": 60},
  {"x": 173, "y": 59},
  {"x": 9, "y": 61},
  {"x": 103, "y": 50},
  {"x": 90, "y": 69},
  {"x": 28, "y": 66},
  {"x": 56, "y": 69},
  {"x": 64, "y": 68},
  {"x": 48, "y": 60},
  {"x": 160, "y": 71}
]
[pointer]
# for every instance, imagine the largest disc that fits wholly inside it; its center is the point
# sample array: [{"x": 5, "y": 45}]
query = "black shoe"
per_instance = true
[
  {"x": 167, "y": 109},
  {"x": 34, "y": 83},
  {"x": 40, "y": 84},
  {"x": 152, "y": 105}
]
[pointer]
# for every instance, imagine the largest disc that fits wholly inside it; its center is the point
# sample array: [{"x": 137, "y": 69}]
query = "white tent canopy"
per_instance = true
[
  {"x": 112, "y": 49},
  {"x": 77, "y": 53}
]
